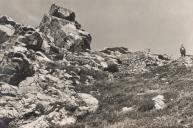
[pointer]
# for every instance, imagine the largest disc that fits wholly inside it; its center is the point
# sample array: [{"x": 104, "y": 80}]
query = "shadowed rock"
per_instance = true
[{"x": 61, "y": 12}]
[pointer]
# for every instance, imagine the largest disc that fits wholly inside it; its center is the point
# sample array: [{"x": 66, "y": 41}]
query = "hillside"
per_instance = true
[{"x": 50, "y": 78}]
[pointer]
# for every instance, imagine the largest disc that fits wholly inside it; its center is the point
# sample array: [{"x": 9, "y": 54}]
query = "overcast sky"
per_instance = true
[{"x": 161, "y": 25}]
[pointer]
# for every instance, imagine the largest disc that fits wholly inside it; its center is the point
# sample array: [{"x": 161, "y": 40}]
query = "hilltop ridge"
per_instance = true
[{"x": 50, "y": 78}]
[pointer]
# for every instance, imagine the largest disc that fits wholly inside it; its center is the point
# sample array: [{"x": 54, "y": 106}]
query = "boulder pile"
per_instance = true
[{"x": 39, "y": 68}]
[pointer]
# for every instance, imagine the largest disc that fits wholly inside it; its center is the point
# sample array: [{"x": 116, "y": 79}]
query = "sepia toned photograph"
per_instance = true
[{"x": 96, "y": 63}]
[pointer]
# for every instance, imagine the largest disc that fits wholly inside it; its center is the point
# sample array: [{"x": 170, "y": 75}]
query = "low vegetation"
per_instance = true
[{"x": 136, "y": 92}]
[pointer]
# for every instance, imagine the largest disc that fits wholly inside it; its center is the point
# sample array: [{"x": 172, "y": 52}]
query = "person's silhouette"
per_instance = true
[{"x": 182, "y": 50}]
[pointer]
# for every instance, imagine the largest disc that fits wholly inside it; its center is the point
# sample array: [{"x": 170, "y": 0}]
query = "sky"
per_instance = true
[{"x": 160, "y": 25}]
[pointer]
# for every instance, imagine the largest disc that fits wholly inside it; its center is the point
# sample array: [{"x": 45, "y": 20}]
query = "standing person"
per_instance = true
[{"x": 182, "y": 51}]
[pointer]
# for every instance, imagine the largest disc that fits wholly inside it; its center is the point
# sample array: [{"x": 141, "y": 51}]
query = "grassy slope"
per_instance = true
[{"x": 174, "y": 82}]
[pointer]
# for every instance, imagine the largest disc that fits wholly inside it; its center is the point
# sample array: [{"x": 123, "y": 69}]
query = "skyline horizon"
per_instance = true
[{"x": 159, "y": 25}]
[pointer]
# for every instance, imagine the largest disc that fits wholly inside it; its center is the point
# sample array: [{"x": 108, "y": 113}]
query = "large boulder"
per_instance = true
[
  {"x": 92, "y": 103},
  {"x": 5, "y": 32},
  {"x": 61, "y": 28},
  {"x": 61, "y": 12},
  {"x": 33, "y": 41},
  {"x": 7, "y": 28},
  {"x": 8, "y": 103},
  {"x": 16, "y": 67}
]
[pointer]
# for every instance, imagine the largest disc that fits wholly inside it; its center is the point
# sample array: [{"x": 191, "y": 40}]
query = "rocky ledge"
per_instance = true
[{"x": 41, "y": 69}]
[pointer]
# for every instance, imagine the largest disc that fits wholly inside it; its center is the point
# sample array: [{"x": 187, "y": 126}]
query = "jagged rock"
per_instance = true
[
  {"x": 8, "y": 90},
  {"x": 121, "y": 50},
  {"x": 164, "y": 57},
  {"x": 54, "y": 99},
  {"x": 33, "y": 41},
  {"x": 159, "y": 102},
  {"x": 19, "y": 49},
  {"x": 61, "y": 12},
  {"x": 25, "y": 29},
  {"x": 38, "y": 123},
  {"x": 60, "y": 27},
  {"x": 16, "y": 66},
  {"x": 4, "y": 20},
  {"x": 22, "y": 35},
  {"x": 8, "y": 94},
  {"x": 91, "y": 102},
  {"x": 24, "y": 68},
  {"x": 6, "y": 28},
  {"x": 5, "y": 32},
  {"x": 42, "y": 57}
]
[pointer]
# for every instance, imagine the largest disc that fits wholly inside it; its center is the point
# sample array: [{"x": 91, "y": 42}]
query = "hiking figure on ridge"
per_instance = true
[{"x": 182, "y": 51}]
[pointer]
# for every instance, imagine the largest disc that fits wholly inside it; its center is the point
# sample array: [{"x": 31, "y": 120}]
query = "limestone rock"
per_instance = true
[
  {"x": 6, "y": 28},
  {"x": 91, "y": 102},
  {"x": 61, "y": 27},
  {"x": 33, "y": 41},
  {"x": 61, "y": 12},
  {"x": 159, "y": 102}
]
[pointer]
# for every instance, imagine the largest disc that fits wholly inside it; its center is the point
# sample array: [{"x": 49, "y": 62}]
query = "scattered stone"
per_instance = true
[
  {"x": 91, "y": 102},
  {"x": 126, "y": 109},
  {"x": 159, "y": 102}
]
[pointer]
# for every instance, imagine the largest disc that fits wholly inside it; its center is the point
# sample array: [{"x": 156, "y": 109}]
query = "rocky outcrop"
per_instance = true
[
  {"x": 42, "y": 70},
  {"x": 62, "y": 13},
  {"x": 64, "y": 32},
  {"x": 38, "y": 71},
  {"x": 121, "y": 50}
]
